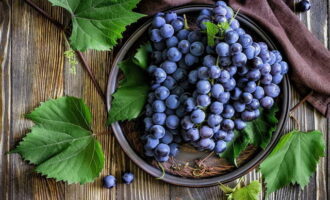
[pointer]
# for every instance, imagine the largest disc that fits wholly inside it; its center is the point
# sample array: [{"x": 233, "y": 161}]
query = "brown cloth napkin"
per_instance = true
[{"x": 309, "y": 59}]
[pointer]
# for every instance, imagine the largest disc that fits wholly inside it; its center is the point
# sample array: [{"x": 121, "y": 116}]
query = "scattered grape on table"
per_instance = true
[{"x": 202, "y": 94}]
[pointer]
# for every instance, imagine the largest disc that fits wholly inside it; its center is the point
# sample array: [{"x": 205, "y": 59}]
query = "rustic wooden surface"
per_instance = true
[{"x": 33, "y": 69}]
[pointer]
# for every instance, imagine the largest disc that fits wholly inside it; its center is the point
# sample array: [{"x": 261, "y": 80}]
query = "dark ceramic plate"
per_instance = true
[{"x": 127, "y": 133}]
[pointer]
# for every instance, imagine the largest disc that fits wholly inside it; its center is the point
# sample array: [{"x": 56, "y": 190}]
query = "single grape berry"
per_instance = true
[
  {"x": 109, "y": 181},
  {"x": 303, "y": 6},
  {"x": 127, "y": 177}
]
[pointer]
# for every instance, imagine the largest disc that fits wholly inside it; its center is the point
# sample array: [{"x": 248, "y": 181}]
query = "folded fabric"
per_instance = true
[{"x": 309, "y": 59}]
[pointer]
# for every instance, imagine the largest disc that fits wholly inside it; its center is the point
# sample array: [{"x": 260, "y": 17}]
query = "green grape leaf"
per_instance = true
[
  {"x": 98, "y": 24},
  {"x": 224, "y": 26},
  {"x": 61, "y": 144},
  {"x": 249, "y": 192},
  {"x": 211, "y": 30},
  {"x": 257, "y": 132},
  {"x": 131, "y": 95},
  {"x": 141, "y": 58},
  {"x": 235, "y": 147},
  {"x": 260, "y": 131},
  {"x": 293, "y": 160}
]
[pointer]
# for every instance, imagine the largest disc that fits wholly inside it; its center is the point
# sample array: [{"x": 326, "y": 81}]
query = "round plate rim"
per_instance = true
[{"x": 182, "y": 181}]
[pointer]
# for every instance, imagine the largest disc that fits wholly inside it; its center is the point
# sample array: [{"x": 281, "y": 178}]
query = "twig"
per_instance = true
[
  {"x": 81, "y": 56},
  {"x": 91, "y": 75},
  {"x": 45, "y": 14},
  {"x": 296, "y": 122},
  {"x": 301, "y": 102}
]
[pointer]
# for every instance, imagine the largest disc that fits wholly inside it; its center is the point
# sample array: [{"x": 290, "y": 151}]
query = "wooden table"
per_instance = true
[{"x": 34, "y": 69}]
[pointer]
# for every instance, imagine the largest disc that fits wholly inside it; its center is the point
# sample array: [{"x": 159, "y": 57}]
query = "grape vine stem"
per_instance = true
[
  {"x": 80, "y": 55},
  {"x": 301, "y": 102}
]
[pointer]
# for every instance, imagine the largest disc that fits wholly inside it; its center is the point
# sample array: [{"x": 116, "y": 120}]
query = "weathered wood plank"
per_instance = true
[
  {"x": 36, "y": 74},
  {"x": 5, "y": 58}
]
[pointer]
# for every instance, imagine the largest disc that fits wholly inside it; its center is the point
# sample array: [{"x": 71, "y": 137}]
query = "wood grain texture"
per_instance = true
[{"x": 33, "y": 69}]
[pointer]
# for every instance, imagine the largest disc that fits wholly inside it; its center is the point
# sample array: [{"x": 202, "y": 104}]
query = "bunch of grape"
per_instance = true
[{"x": 201, "y": 94}]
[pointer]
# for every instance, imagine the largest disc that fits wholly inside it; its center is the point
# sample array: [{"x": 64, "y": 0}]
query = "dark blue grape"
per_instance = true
[
  {"x": 285, "y": 67},
  {"x": 193, "y": 76},
  {"x": 222, "y": 49},
  {"x": 231, "y": 37},
  {"x": 172, "y": 101},
  {"x": 246, "y": 97},
  {"x": 127, "y": 177},
  {"x": 303, "y": 6},
  {"x": 179, "y": 74},
  {"x": 192, "y": 134},
  {"x": 186, "y": 123},
  {"x": 277, "y": 78},
  {"x": 236, "y": 93},
  {"x": 177, "y": 24},
  {"x": 174, "y": 149},
  {"x": 190, "y": 59},
  {"x": 272, "y": 90},
  {"x": 203, "y": 100},
  {"x": 170, "y": 16},
  {"x": 184, "y": 46},
  {"x": 235, "y": 48},
  {"x": 250, "y": 87},
  {"x": 168, "y": 138},
  {"x": 216, "y": 90},
  {"x": 216, "y": 107},
  {"x": 229, "y": 85},
  {"x": 265, "y": 69},
  {"x": 194, "y": 36},
  {"x": 109, "y": 181},
  {"x": 151, "y": 143},
  {"x": 172, "y": 122},
  {"x": 158, "y": 106},
  {"x": 238, "y": 106},
  {"x": 157, "y": 131},
  {"x": 197, "y": 48},
  {"x": 162, "y": 150},
  {"x": 220, "y": 135},
  {"x": 155, "y": 35},
  {"x": 197, "y": 116},
  {"x": 166, "y": 31},
  {"x": 182, "y": 34},
  {"x": 224, "y": 97},
  {"x": 173, "y": 54},
  {"x": 214, "y": 120},
  {"x": 162, "y": 93},
  {"x": 169, "y": 67},
  {"x": 248, "y": 115},
  {"x": 158, "y": 22},
  {"x": 259, "y": 92},
  {"x": 209, "y": 61},
  {"x": 239, "y": 59},
  {"x": 172, "y": 42},
  {"x": 239, "y": 124},
  {"x": 254, "y": 104},
  {"x": 228, "y": 111},
  {"x": 254, "y": 75},
  {"x": 203, "y": 87},
  {"x": 245, "y": 40},
  {"x": 220, "y": 146},
  {"x": 224, "y": 76},
  {"x": 169, "y": 82},
  {"x": 230, "y": 136},
  {"x": 249, "y": 52},
  {"x": 267, "y": 102},
  {"x": 227, "y": 124},
  {"x": 266, "y": 79}
]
